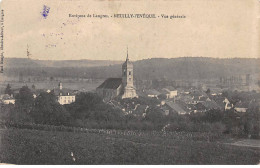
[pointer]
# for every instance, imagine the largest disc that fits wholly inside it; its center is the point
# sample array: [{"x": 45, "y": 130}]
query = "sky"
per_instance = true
[{"x": 212, "y": 28}]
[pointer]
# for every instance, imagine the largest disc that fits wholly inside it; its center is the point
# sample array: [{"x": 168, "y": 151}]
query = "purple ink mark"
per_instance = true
[{"x": 45, "y": 11}]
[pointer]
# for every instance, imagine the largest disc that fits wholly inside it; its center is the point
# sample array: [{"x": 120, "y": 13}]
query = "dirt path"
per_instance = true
[{"x": 247, "y": 142}]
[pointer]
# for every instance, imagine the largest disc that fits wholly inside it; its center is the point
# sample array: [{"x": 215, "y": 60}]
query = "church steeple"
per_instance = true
[
  {"x": 128, "y": 78},
  {"x": 127, "y": 55}
]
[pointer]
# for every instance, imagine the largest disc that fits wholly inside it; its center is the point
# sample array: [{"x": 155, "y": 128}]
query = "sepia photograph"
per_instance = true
[{"x": 113, "y": 82}]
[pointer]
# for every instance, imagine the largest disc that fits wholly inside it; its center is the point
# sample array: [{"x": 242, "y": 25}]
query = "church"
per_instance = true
[{"x": 119, "y": 87}]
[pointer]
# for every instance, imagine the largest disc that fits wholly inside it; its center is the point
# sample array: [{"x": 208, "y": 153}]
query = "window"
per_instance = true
[{"x": 129, "y": 72}]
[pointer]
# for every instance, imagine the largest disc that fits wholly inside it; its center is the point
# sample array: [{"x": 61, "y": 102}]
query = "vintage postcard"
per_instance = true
[{"x": 126, "y": 82}]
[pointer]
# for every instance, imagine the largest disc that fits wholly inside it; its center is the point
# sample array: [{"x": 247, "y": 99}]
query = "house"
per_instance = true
[
  {"x": 123, "y": 87},
  {"x": 164, "y": 94},
  {"x": 7, "y": 99},
  {"x": 199, "y": 99},
  {"x": 152, "y": 93},
  {"x": 170, "y": 92},
  {"x": 187, "y": 99},
  {"x": 216, "y": 91},
  {"x": 197, "y": 93},
  {"x": 64, "y": 96},
  {"x": 187, "y": 107},
  {"x": 210, "y": 105},
  {"x": 241, "y": 106}
]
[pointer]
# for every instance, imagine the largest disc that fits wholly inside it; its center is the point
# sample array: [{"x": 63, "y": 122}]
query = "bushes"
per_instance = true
[
  {"x": 48, "y": 111},
  {"x": 10, "y": 113},
  {"x": 24, "y": 100}
]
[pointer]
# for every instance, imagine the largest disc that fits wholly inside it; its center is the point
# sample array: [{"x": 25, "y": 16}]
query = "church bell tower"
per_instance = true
[{"x": 128, "y": 79}]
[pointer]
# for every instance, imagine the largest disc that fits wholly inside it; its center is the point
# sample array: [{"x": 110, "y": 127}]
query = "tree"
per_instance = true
[
  {"x": 47, "y": 110},
  {"x": 24, "y": 100},
  {"x": 84, "y": 105},
  {"x": 8, "y": 90},
  {"x": 213, "y": 116},
  {"x": 252, "y": 119},
  {"x": 154, "y": 115},
  {"x": 33, "y": 87},
  {"x": 93, "y": 112}
]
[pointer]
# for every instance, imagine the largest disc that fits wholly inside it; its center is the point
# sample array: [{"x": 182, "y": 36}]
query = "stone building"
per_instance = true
[
  {"x": 110, "y": 88},
  {"x": 64, "y": 96},
  {"x": 123, "y": 87}
]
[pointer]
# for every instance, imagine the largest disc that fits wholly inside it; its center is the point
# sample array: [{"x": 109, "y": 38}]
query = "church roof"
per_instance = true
[{"x": 111, "y": 83}]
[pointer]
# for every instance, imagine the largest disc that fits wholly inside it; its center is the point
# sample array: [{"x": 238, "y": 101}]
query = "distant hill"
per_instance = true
[
  {"x": 20, "y": 62},
  {"x": 195, "y": 68},
  {"x": 24, "y": 62},
  {"x": 155, "y": 68},
  {"x": 78, "y": 63}
]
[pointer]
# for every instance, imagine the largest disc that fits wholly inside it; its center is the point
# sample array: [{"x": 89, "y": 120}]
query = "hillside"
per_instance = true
[
  {"x": 24, "y": 62},
  {"x": 155, "y": 68}
]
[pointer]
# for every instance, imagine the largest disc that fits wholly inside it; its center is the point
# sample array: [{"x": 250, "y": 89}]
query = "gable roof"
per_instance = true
[
  {"x": 170, "y": 88},
  {"x": 63, "y": 92},
  {"x": 111, "y": 83},
  {"x": 152, "y": 92},
  {"x": 185, "y": 106},
  {"x": 242, "y": 105},
  {"x": 163, "y": 91},
  {"x": 197, "y": 93},
  {"x": 6, "y": 97},
  {"x": 210, "y": 105},
  {"x": 176, "y": 107}
]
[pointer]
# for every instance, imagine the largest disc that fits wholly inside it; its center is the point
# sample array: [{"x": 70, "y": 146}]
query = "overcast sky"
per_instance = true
[{"x": 212, "y": 28}]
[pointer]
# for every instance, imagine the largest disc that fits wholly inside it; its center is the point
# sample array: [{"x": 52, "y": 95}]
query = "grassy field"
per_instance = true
[{"x": 22, "y": 146}]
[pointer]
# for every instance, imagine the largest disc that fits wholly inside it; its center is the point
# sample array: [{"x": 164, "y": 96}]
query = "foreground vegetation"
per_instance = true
[{"x": 22, "y": 146}]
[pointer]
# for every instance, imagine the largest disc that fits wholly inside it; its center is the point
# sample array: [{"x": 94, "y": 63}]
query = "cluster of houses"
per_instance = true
[
  {"x": 180, "y": 101},
  {"x": 169, "y": 100}
]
